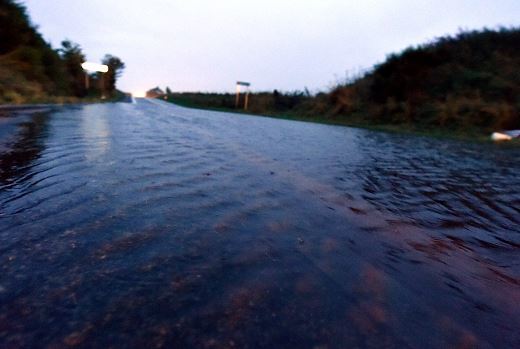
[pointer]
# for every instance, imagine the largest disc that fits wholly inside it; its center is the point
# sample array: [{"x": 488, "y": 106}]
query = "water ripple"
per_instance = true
[{"x": 149, "y": 224}]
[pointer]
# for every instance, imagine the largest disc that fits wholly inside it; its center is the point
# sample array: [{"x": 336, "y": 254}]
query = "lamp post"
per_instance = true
[{"x": 94, "y": 67}]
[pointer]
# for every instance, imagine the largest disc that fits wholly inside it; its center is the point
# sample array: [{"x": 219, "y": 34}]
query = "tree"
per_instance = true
[
  {"x": 115, "y": 70},
  {"x": 15, "y": 27},
  {"x": 73, "y": 57}
]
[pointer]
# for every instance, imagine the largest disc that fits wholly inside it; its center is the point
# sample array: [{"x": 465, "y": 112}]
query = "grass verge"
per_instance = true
[{"x": 468, "y": 135}]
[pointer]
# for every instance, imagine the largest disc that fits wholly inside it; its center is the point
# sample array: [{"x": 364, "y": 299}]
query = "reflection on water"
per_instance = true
[
  {"x": 96, "y": 135},
  {"x": 15, "y": 158},
  {"x": 153, "y": 225}
]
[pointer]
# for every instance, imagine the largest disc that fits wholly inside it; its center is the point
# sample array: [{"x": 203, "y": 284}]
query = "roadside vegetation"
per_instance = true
[
  {"x": 462, "y": 85},
  {"x": 31, "y": 71}
]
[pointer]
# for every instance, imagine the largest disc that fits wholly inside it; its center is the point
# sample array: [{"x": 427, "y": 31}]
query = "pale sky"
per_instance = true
[{"x": 207, "y": 45}]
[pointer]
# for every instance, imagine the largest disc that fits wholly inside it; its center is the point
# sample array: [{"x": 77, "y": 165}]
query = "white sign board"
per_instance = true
[{"x": 94, "y": 67}]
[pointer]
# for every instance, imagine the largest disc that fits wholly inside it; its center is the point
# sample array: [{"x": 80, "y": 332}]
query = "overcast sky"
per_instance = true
[{"x": 206, "y": 45}]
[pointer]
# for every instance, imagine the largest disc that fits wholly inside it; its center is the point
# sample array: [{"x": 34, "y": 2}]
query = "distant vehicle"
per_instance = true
[{"x": 155, "y": 93}]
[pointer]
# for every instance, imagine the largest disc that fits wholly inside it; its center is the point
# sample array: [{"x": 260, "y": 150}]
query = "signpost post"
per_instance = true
[
  {"x": 237, "y": 98},
  {"x": 94, "y": 67}
]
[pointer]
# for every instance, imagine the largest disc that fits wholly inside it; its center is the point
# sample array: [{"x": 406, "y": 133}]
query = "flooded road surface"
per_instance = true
[{"x": 149, "y": 225}]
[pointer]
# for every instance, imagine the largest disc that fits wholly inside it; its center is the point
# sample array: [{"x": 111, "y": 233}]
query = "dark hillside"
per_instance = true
[
  {"x": 29, "y": 67},
  {"x": 32, "y": 71}
]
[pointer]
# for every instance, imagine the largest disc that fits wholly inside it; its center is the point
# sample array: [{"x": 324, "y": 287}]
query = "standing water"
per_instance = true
[{"x": 149, "y": 225}]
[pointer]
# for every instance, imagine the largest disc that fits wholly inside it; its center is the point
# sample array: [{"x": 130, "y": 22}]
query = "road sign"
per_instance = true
[
  {"x": 237, "y": 98},
  {"x": 94, "y": 67}
]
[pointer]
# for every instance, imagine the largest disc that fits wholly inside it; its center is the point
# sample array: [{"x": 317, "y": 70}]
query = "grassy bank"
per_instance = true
[
  {"x": 465, "y": 86},
  {"x": 201, "y": 102},
  {"x": 62, "y": 100}
]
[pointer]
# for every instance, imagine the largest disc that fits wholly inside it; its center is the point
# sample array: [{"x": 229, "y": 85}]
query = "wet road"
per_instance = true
[{"x": 149, "y": 225}]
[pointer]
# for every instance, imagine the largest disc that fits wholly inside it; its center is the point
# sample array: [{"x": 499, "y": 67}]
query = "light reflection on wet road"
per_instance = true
[{"x": 150, "y": 225}]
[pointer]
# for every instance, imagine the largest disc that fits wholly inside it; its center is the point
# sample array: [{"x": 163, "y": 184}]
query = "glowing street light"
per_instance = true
[{"x": 95, "y": 67}]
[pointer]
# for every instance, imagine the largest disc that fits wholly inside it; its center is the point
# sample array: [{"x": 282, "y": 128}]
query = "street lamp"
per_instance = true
[{"x": 94, "y": 67}]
